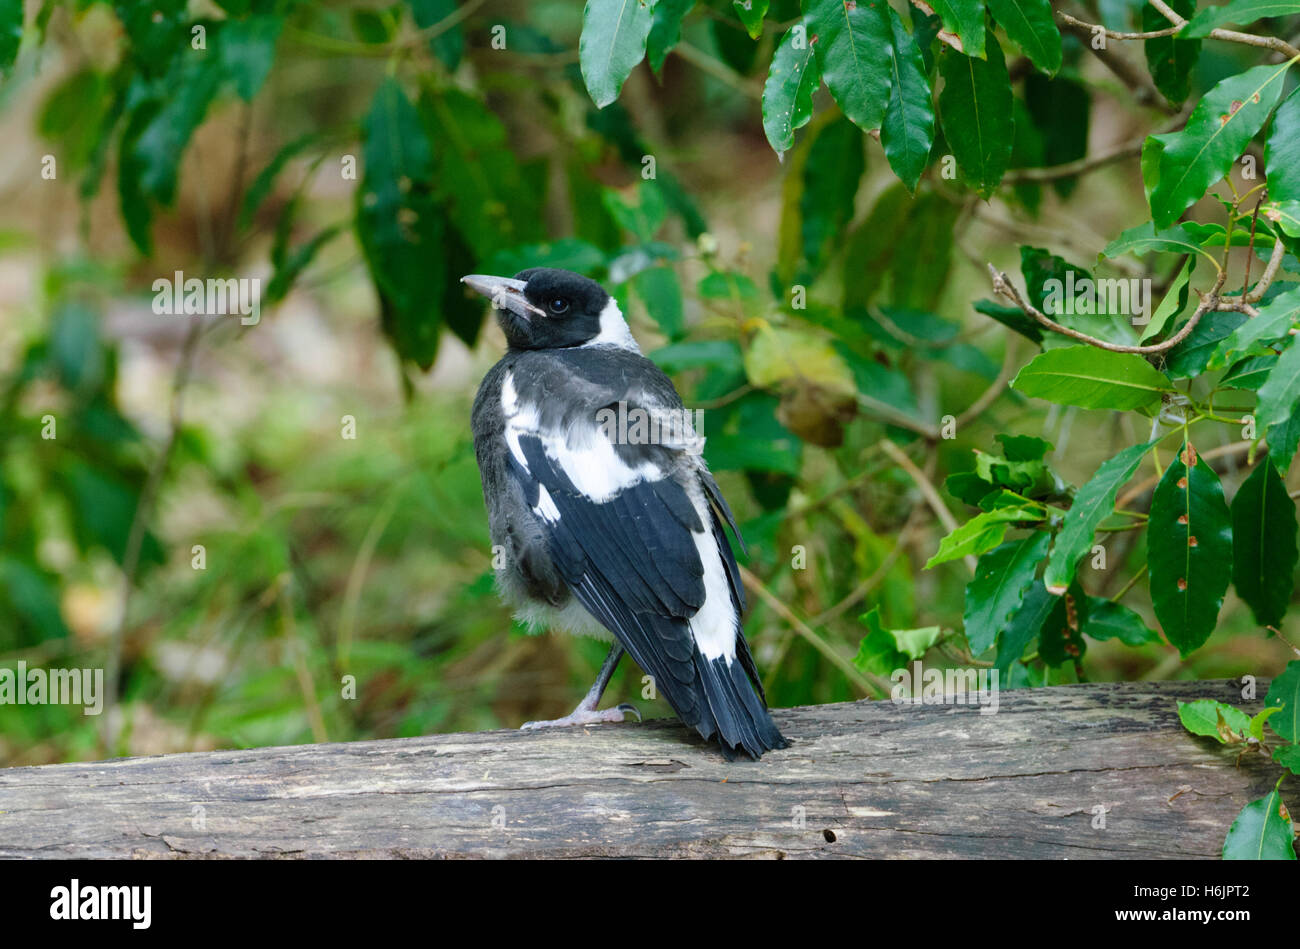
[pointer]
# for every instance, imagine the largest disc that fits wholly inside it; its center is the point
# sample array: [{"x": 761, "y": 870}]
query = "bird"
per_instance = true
[{"x": 606, "y": 518}]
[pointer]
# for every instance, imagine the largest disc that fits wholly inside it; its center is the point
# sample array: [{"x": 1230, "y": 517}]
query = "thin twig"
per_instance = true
[
  {"x": 1231, "y": 36},
  {"x": 1114, "y": 34},
  {"x": 1002, "y": 285},
  {"x": 1078, "y": 167},
  {"x": 928, "y": 491},
  {"x": 867, "y": 683}
]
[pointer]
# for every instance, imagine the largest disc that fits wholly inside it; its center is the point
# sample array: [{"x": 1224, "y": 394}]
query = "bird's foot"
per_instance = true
[{"x": 588, "y": 716}]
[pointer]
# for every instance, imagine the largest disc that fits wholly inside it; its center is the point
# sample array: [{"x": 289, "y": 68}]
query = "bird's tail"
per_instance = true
[{"x": 731, "y": 711}]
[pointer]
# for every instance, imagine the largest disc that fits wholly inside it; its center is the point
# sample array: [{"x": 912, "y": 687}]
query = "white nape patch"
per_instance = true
[
  {"x": 715, "y": 624},
  {"x": 613, "y": 329}
]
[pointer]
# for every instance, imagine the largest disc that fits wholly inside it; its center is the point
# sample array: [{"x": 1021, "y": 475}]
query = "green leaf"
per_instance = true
[
  {"x": 662, "y": 295},
  {"x": 1237, "y": 12},
  {"x": 975, "y": 108},
  {"x": 1061, "y": 638},
  {"x": 1257, "y": 722},
  {"x": 716, "y": 354},
  {"x": 1218, "y": 131},
  {"x": 1107, "y": 620},
  {"x": 449, "y": 45},
  {"x": 883, "y": 650},
  {"x": 923, "y": 257},
  {"x": 1264, "y": 544},
  {"x": 1002, "y": 578},
  {"x": 1029, "y": 24},
  {"x": 565, "y": 254},
  {"x": 831, "y": 177},
  {"x": 787, "y": 94},
  {"x": 1280, "y": 393},
  {"x": 1285, "y": 214},
  {"x": 908, "y": 130},
  {"x": 643, "y": 219},
  {"x": 1283, "y": 440},
  {"x": 850, "y": 49},
  {"x": 1274, "y": 321},
  {"x": 982, "y": 533},
  {"x": 33, "y": 596},
  {"x": 399, "y": 225},
  {"x": 194, "y": 79},
  {"x": 964, "y": 19},
  {"x": 136, "y": 212},
  {"x": 1284, "y": 693},
  {"x": 1092, "y": 379},
  {"x": 1280, "y": 166},
  {"x": 872, "y": 245},
  {"x": 1145, "y": 237},
  {"x": 11, "y": 32},
  {"x": 1013, "y": 318},
  {"x": 1288, "y": 756},
  {"x": 1189, "y": 358},
  {"x": 292, "y": 264},
  {"x": 1175, "y": 300},
  {"x": 666, "y": 30},
  {"x": 491, "y": 203},
  {"x": 261, "y": 187},
  {"x": 613, "y": 41},
  {"x": 1169, "y": 59},
  {"x": 1249, "y": 373},
  {"x": 1262, "y": 831},
  {"x": 1092, "y": 505},
  {"x": 1189, "y": 545},
  {"x": 247, "y": 51},
  {"x": 751, "y": 13},
  {"x": 104, "y": 506},
  {"x": 1202, "y": 718},
  {"x": 1025, "y": 624}
]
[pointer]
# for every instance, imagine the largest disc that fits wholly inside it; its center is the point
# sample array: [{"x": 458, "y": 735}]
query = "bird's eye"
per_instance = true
[{"x": 559, "y": 306}]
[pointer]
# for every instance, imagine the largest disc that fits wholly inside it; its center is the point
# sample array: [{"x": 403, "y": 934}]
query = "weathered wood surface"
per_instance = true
[{"x": 870, "y": 779}]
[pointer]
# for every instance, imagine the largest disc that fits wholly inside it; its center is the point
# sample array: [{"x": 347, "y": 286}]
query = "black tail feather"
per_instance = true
[{"x": 742, "y": 720}]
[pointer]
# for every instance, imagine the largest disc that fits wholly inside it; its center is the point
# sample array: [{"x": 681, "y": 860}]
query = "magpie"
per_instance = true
[{"x": 607, "y": 528}]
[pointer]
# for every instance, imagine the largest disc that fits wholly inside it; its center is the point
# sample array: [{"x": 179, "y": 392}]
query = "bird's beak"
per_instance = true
[{"x": 505, "y": 293}]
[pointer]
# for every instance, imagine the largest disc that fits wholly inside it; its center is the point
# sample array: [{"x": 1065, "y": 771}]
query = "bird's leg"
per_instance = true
[{"x": 586, "y": 712}]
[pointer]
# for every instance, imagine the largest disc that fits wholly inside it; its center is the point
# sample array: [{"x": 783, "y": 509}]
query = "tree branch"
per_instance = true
[{"x": 1002, "y": 285}]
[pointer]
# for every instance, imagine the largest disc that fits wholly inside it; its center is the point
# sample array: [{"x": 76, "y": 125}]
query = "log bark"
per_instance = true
[{"x": 862, "y": 779}]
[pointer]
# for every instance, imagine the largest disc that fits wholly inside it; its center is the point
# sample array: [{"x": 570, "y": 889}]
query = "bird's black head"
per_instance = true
[{"x": 542, "y": 308}]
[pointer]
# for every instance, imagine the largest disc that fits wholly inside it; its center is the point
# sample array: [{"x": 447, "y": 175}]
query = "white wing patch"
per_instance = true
[
  {"x": 584, "y": 453},
  {"x": 546, "y": 508},
  {"x": 715, "y": 625}
]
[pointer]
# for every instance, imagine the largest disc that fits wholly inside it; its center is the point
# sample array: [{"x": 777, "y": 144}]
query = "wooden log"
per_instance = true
[{"x": 862, "y": 779}]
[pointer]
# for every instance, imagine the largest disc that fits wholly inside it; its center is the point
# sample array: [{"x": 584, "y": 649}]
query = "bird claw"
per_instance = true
[
  {"x": 583, "y": 716},
  {"x": 628, "y": 708}
]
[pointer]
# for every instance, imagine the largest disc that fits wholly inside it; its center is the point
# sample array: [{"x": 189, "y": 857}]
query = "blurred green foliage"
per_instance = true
[{"x": 290, "y": 583}]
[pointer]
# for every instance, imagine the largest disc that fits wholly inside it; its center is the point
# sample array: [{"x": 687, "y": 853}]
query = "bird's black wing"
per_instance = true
[{"x": 632, "y": 562}]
